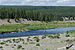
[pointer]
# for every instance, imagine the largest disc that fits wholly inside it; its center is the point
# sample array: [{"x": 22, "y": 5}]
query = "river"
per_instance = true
[{"x": 38, "y": 32}]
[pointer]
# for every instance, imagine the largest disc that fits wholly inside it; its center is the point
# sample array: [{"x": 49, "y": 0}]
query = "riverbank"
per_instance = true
[
  {"x": 45, "y": 42},
  {"x": 12, "y": 28}
]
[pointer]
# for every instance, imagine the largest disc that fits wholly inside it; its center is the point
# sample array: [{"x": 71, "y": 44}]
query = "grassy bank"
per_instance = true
[
  {"x": 36, "y": 26},
  {"x": 49, "y": 25},
  {"x": 10, "y": 27}
]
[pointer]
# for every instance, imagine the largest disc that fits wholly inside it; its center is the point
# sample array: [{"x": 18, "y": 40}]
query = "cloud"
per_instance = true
[
  {"x": 38, "y": 2},
  {"x": 63, "y": 1}
]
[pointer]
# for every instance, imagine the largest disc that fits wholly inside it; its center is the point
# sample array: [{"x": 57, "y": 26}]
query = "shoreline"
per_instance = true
[
  {"x": 3, "y": 36},
  {"x": 46, "y": 43}
]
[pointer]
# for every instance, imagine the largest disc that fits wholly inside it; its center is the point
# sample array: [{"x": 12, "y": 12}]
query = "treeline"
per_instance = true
[{"x": 40, "y": 13}]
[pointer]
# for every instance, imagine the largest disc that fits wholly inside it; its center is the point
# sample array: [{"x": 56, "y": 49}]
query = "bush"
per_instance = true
[
  {"x": 22, "y": 39},
  {"x": 27, "y": 39},
  {"x": 56, "y": 37},
  {"x": 19, "y": 46},
  {"x": 7, "y": 45},
  {"x": 8, "y": 41},
  {"x": 57, "y": 34},
  {"x": 46, "y": 49},
  {"x": 1, "y": 47},
  {"x": 37, "y": 44},
  {"x": 22, "y": 48},
  {"x": 14, "y": 40},
  {"x": 23, "y": 42},
  {"x": 2, "y": 43},
  {"x": 14, "y": 44},
  {"x": 44, "y": 36},
  {"x": 67, "y": 35},
  {"x": 50, "y": 36},
  {"x": 32, "y": 43},
  {"x": 36, "y": 39}
]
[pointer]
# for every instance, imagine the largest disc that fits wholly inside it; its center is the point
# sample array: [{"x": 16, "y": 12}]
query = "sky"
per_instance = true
[{"x": 39, "y": 2}]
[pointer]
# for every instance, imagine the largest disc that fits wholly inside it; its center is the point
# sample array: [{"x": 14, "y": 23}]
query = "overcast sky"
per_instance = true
[{"x": 39, "y": 2}]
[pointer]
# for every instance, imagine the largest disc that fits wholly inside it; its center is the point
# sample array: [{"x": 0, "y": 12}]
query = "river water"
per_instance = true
[{"x": 38, "y": 32}]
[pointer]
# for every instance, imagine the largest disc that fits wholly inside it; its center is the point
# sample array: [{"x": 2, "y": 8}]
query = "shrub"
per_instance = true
[
  {"x": 2, "y": 43},
  {"x": 14, "y": 44},
  {"x": 1, "y": 47},
  {"x": 56, "y": 37},
  {"x": 7, "y": 45},
  {"x": 31, "y": 40},
  {"x": 19, "y": 46},
  {"x": 37, "y": 44},
  {"x": 14, "y": 40},
  {"x": 27, "y": 39},
  {"x": 50, "y": 36},
  {"x": 8, "y": 41},
  {"x": 44, "y": 36},
  {"x": 32, "y": 43},
  {"x": 36, "y": 39},
  {"x": 23, "y": 42},
  {"x": 58, "y": 34},
  {"x": 22, "y": 39},
  {"x": 17, "y": 41},
  {"x": 22, "y": 48},
  {"x": 46, "y": 49},
  {"x": 67, "y": 35}
]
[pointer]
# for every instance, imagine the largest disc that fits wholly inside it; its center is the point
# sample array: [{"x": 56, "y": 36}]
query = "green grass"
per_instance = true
[
  {"x": 72, "y": 32},
  {"x": 36, "y": 26},
  {"x": 10, "y": 27},
  {"x": 50, "y": 25}
]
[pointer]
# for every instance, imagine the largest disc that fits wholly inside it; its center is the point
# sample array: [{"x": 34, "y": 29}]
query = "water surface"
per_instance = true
[{"x": 38, "y": 32}]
